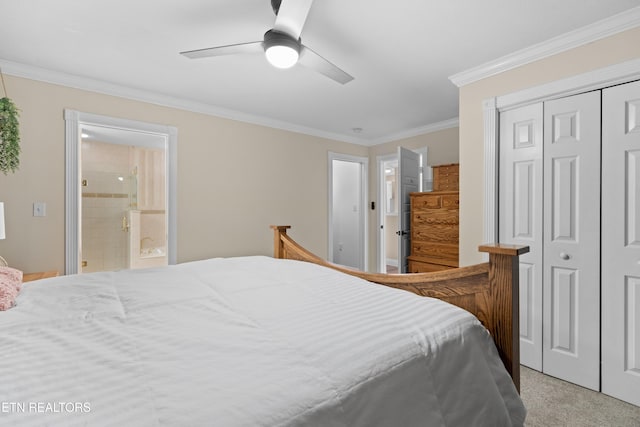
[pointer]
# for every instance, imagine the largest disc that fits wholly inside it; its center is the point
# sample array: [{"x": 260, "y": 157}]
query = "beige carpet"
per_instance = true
[{"x": 552, "y": 402}]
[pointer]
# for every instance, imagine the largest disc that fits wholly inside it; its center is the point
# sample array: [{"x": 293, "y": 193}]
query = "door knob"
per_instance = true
[
  {"x": 565, "y": 256},
  {"x": 401, "y": 233}
]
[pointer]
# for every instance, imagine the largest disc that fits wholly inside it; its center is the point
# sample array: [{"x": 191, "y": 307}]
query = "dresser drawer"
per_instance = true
[
  {"x": 447, "y": 186},
  {"x": 443, "y": 253},
  {"x": 437, "y": 218},
  {"x": 435, "y": 200},
  {"x": 436, "y": 226},
  {"x": 436, "y": 234},
  {"x": 426, "y": 201},
  {"x": 451, "y": 201},
  {"x": 425, "y": 267}
]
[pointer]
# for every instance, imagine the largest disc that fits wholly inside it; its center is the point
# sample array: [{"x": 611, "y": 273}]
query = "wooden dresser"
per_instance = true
[
  {"x": 434, "y": 223},
  {"x": 446, "y": 177}
]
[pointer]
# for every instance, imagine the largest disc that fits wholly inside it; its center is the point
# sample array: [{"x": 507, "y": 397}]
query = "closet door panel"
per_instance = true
[
  {"x": 520, "y": 213},
  {"x": 621, "y": 242},
  {"x": 571, "y": 259},
  {"x": 632, "y": 198},
  {"x": 564, "y": 304}
]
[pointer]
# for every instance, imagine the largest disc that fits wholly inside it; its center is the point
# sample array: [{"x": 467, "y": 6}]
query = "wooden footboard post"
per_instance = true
[
  {"x": 278, "y": 246},
  {"x": 505, "y": 294}
]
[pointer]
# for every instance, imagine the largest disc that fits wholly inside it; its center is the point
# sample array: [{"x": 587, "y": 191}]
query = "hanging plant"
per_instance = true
[{"x": 9, "y": 136}]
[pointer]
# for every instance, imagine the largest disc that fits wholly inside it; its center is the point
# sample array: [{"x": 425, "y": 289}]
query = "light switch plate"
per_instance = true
[{"x": 39, "y": 209}]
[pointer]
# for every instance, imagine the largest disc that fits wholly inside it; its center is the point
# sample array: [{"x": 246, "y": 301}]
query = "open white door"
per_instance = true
[
  {"x": 571, "y": 259},
  {"x": 621, "y": 242},
  {"x": 408, "y": 182}
]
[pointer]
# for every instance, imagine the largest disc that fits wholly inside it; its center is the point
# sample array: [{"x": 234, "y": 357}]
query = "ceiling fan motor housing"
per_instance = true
[
  {"x": 275, "y": 5},
  {"x": 276, "y": 38}
]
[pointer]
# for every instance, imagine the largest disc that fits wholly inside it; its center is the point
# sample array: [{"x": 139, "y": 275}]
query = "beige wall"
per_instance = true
[
  {"x": 443, "y": 147},
  {"x": 234, "y": 179},
  {"x": 612, "y": 50}
]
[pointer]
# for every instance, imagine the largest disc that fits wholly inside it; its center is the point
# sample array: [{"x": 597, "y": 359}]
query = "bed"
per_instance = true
[{"x": 260, "y": 341}]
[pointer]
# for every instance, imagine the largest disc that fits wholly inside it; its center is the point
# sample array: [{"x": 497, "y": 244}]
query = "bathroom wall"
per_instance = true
[{"x": 149, "y": 236}]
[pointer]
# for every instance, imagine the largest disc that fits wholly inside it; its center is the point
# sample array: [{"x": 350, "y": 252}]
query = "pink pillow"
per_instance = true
[{"x": 10, "y": 284}]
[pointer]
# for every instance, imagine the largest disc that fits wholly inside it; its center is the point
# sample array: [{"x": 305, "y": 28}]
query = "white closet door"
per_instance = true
[
  {"x": 520, "y": 216},
  {"x": 571, "y": 276},
  {"x": 621, "y": 242}
]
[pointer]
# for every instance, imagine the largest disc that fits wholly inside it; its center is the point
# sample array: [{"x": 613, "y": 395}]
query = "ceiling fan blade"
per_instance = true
[
  {"x": 312, "y": 60},
  {"x": 232, "y": 49},
  {"x": 291, "y": 17}
]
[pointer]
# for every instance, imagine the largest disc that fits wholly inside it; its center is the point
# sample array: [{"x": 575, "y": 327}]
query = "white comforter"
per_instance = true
[{"x": 250, "y": 341}]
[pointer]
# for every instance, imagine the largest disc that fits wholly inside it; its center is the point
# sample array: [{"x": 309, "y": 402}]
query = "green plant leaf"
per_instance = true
[{"x": 9, "y": 136}]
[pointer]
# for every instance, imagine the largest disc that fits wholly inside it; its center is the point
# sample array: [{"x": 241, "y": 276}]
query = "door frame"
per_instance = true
[
  {"x": 364, "y": 226},
  {"x": 381, "y": 258},
  {"x": 624, "y": 72},
  {"x": 74, "y": 120}
]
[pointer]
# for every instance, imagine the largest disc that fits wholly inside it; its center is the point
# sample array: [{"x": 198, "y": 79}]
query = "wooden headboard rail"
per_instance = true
[{"x": 490, "y": 291}]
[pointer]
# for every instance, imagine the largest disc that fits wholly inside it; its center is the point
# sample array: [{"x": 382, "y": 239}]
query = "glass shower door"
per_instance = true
[{"x": 106, "y": 201}]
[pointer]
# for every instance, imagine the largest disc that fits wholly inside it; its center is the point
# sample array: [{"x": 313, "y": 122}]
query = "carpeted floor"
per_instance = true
[{"x": 556, "y": 403}]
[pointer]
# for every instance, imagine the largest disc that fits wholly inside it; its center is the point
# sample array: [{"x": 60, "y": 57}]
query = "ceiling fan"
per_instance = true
[{"x": 282, "y": 44}]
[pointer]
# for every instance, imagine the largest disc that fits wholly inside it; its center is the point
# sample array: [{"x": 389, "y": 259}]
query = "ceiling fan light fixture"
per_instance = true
[{"x": 281, "y": 50}]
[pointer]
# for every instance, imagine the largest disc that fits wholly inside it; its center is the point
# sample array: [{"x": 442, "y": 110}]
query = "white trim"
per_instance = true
[
  {"x": 592, "y": 80},
  {"x": 409, "y": 133},
  {"x": 113, "y": 89},
  {"x": 72, "y": 193},
  {"x": 391, "y": 262},
  {"x": 172, "y": 194},
  {"x": 585, "y": 82},
  {"x": 615, "y": 24},
  {"x": 364, "y": 191},
  {"x": 490, "y": 229},
  {"x": 73, "y": 121},
  {"x": 380, "y": 233},
  {"x": 424, "y": 160}
]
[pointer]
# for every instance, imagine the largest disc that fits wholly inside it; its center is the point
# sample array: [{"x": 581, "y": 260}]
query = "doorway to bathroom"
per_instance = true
[
  {"x": 124, "y": 204},
  {"x": 124, "y": 218}
]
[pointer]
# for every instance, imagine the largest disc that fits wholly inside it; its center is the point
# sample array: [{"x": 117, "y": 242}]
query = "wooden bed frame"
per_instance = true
[{"x": 490, "y": 291}]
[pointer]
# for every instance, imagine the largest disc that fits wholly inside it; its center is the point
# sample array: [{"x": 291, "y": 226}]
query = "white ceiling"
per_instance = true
[{"x": 401, "y": 54}]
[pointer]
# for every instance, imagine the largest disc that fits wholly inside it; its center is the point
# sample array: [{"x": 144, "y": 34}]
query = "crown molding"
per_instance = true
[
  {"x": 112, "y": 89},
  {"x": 600, "y": 78},
  {"x": 615, "y": 24},
  {"x": 433, "y": 127}
]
